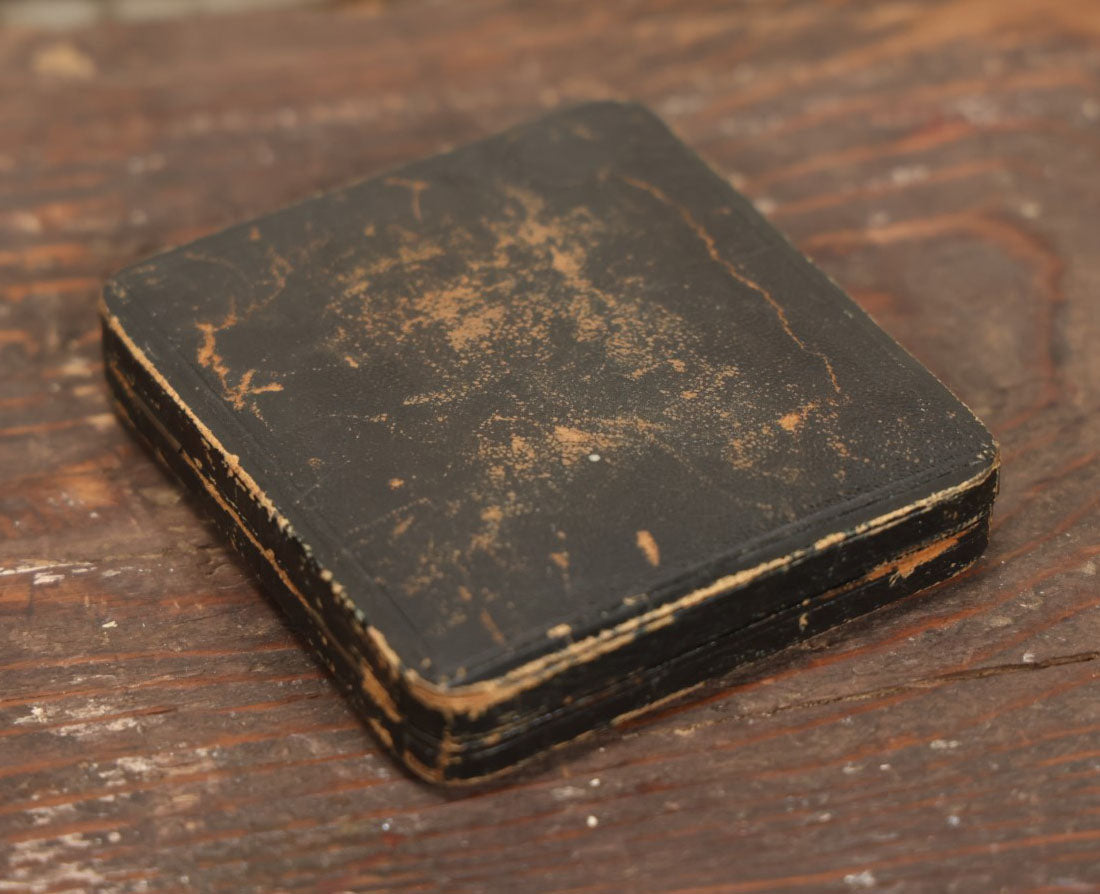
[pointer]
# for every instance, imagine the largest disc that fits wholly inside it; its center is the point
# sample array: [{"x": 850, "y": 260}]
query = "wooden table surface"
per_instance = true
[{"x": 161, "y": 728}]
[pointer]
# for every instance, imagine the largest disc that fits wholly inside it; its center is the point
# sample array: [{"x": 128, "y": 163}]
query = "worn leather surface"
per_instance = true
[{"x": 517, "y": 392}]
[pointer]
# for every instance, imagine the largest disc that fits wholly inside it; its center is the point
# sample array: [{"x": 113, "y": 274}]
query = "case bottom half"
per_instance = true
[{"x": 524, "y": 735}]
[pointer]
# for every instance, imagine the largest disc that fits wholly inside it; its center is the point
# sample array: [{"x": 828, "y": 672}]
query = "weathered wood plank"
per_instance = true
[{"x": 159, "y": 726}]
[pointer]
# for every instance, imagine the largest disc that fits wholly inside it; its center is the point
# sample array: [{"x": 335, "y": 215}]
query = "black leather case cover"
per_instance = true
[{"x": 535, "y": 433}]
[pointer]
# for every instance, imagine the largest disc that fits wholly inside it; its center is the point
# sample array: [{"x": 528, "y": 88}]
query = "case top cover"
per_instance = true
[{"x": 517, "y": 394}]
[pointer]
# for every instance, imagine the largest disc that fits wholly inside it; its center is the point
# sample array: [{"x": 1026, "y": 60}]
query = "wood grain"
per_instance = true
[{"x": 161, "y": 729}]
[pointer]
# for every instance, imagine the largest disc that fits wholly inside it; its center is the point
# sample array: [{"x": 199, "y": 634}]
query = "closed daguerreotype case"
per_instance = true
[{"x": 531, "y": 435}]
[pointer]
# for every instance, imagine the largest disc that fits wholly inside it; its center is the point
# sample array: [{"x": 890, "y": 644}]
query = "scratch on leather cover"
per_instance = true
[{"x": 532, "y": 434}]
